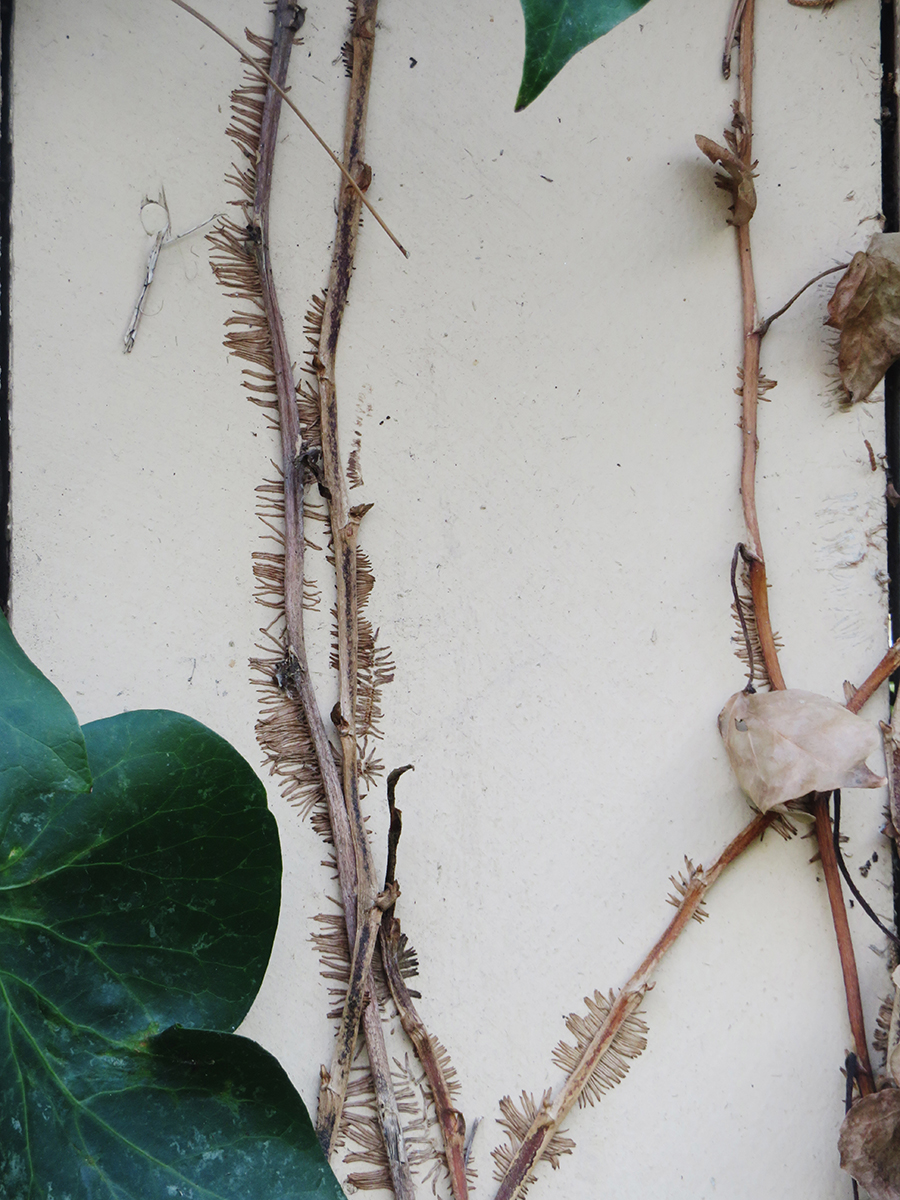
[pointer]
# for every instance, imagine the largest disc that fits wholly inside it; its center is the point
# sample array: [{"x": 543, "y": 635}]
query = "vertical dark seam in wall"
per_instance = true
[
  {"x": 890, "y": 206},
  {"x": 6, "y": 184}
]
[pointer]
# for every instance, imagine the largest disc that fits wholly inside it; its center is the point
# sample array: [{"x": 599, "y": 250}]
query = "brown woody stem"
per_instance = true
[
  {"x": 344, "y": 521},
  {"x": 758, "y": 585},
  {"x": 554, "y": 1111},
  {"x": 759, "y": 590},
  {"x": 293, "y": 470},
  {"x": 279, "y": 89},
  {"x": 344, "y": 532},
  {"x": 743, "y": 122},
  {"x": 333, "y": 1089},
  {"x": 844, "y": 941},
  {"x": 885, "y": 669},
  {"x": 750, "y": 383},
  {"x": 451, "y": 1121},
  {"x": 824, "y": 833}
]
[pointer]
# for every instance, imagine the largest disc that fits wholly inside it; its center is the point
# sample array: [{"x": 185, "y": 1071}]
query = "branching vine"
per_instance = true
[
  {"x": 292, "y": 729},
  {"x": 612, "y": 1032}
]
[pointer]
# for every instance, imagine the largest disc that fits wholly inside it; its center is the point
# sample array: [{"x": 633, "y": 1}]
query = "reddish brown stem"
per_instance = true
[
  {"x": 889, "y": 663},
  {"x": 743, "y": 122},
  {"x": 553, "y": 1112},
  {"x": 759, "y": 590},
  {"x": 749, "y": 393},
  {"x": 885, "y": 669},
  {"x": 844, "y": 941},
  {"x": 758, "y": 585},
  {"x": 745, "y": 82}
]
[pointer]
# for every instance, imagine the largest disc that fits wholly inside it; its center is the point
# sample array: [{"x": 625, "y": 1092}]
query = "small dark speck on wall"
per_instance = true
[{"x": 412, "y": 62}]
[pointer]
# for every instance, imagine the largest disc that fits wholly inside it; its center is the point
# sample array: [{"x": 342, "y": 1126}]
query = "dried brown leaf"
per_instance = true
[
  {"x": 785, "y": 744},
  {"x": 738, "y": 181},
  {"x": 846, "y": 289},
  {"x": 865, "y": 307},
  {"x": 869, "y": 1144}
]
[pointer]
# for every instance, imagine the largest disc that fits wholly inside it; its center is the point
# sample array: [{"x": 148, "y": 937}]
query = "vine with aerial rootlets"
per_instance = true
[{"x": 328, "y": 772}]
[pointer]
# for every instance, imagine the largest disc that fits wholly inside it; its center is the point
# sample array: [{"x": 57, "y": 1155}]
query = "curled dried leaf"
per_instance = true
[
  {"x": 738, "y": 180},
  {"x": 783, "y": 745},
  {"x": 865, "y": 307},
  {"x": 869, "y": 1144},
  {"x": 848, "y": 284}
]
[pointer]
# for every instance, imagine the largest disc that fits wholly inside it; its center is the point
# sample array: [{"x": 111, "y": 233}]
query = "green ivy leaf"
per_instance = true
[
  {"x": 195, "y": 1115},
  {"x": 42, "y": 750},
  {"x": 555, "y": 30},
  {"x": 139, "y": 890},
  {"x": 149, "y": 898}
]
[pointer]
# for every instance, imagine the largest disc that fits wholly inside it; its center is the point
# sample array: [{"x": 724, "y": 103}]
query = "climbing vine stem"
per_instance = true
[{"x": 750, "y": 388}]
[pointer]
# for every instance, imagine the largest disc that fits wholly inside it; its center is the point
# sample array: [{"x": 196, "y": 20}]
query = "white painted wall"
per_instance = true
[{"x": 549, "y": 440}]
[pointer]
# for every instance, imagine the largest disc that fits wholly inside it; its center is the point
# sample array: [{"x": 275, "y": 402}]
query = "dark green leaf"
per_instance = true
[
  {"x": 193, "y": 1114},
  {"x": 555, "y": 30},
  {"x": 139, "y": 889},
  {"x": 43, "y": 762},
  {"x": 152, "y": 899}
]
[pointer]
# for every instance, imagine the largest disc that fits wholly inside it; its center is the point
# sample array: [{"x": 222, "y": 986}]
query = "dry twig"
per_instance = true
[
  {"x": 431, "y": 1054},
  {"x": 551, "y": 1113},
  {"x": 254, "y": 66},
  {"x": 244, "y": 268},
  {"x": 758, "y": 584},
  {"x": 345, "y": 523},
  {"x": 537, "y": 1139}
]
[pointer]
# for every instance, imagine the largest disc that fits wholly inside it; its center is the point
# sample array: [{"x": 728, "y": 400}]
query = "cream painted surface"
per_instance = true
[{"x": 545, "y": 392}]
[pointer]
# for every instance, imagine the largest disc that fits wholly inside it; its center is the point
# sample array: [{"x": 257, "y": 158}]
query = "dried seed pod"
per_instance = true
[
  {"x": 783, "y": 745},
  {"x": 865, "y": 307},
  {"x": 869, "y": 1144}
]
